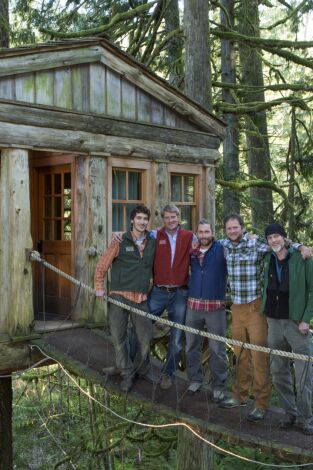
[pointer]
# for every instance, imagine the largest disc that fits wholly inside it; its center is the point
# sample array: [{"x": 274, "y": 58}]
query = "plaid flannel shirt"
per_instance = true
[{"x": 245, "y": 268}]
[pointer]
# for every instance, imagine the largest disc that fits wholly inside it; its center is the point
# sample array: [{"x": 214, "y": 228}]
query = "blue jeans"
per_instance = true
[{"x": 175, "y": 304}]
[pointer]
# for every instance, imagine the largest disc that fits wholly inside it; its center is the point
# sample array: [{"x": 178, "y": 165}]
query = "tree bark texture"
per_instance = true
[
  {"x": 231, "y": 200},
  {"x": 175, "y": 45},
  {"x": 197, "y": 65},
  {"x": 192, "y": 453},
  {"x": 6, "y": 450},
  {"x": 256, "y": 124},
  {"x": 4, "y": 23},
  {"x": 16, "y": 313}
]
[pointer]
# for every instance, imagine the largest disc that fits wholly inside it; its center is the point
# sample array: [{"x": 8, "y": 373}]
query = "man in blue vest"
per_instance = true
[{"x": 206, "y": 306}]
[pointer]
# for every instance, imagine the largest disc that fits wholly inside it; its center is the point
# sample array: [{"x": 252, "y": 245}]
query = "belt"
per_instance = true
[{"x": 171, "y": 289}]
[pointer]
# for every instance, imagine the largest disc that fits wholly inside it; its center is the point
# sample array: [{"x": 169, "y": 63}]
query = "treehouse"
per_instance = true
[{"x": 86, "y": 133}]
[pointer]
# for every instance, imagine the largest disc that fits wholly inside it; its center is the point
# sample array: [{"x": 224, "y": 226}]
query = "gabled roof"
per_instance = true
[{"x": 21, "y": 61}]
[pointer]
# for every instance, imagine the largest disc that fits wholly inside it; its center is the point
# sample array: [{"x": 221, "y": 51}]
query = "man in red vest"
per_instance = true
[{"x": 170, "y": 279}]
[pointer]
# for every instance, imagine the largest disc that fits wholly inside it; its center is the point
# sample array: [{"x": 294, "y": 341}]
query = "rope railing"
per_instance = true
[{"x": 35, "y": 256}]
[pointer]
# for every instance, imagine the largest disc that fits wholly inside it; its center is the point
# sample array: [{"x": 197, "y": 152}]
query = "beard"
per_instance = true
[
  {"x": 205, "y": 241},
  {"x": 277, "y": 248}
]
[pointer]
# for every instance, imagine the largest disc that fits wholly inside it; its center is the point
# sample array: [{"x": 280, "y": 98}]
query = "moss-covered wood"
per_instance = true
[{"x": 16, "y": 313}]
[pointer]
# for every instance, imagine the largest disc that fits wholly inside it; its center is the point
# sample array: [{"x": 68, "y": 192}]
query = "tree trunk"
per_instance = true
[
  {"x": 175, "y": 46},
  {"x": 192, "y": 453},
  {"x": 197, "y": 65},
  {"x": 256, "y": 125},
  {"x": 291, "y": 171},
  {"x": 6, "y": 453},
  {"x": 4, "y": 23},
  {"x": 231, "y": 200}
]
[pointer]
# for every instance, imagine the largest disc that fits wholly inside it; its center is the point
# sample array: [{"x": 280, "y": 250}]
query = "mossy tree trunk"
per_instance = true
[
  {"x": 4, "y": 23},
  {"x": 197, "y": 64},
  {"x": 257, "y": 144},
  {"x": 231, "y": 200},
  {"x": 175, "y": 45},
  {"x": 6, "y": 452},
  {"x": 192, "y": 453}
]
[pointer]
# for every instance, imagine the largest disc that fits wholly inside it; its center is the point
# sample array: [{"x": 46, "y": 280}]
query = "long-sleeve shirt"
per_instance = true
[
  {"x": 245, "y": 266},
  {"x": 104, "y": 265}
]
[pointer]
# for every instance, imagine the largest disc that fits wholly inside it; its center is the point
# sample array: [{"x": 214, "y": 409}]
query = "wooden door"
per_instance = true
[{"x": 53, "y": 222}]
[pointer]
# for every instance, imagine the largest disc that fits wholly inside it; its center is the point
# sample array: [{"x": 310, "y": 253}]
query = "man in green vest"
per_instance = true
[{"x": 131, "y": 262}]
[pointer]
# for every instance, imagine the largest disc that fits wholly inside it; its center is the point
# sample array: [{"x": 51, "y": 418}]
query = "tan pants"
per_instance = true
[{"x": 252, "y": 367}]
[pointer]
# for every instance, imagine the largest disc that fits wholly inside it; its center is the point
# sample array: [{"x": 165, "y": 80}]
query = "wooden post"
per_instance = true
[
  {"x": 90, "y": 231},
  {"x": 162, "y": 193},
  {"x": 6, "y": 450},
  {"x": 210, "y": 196},
  {"x": 16, "y": 313},
  {"x": 192, "y": 453}
]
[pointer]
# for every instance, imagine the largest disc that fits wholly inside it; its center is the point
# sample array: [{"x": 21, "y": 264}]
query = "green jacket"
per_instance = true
[
  {"x": 300, "y": 286},
  {"x": 130, "y": 272}
]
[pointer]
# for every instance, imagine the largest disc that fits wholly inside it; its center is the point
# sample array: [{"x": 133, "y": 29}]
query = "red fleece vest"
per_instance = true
[{"x": 163, "y": 272}]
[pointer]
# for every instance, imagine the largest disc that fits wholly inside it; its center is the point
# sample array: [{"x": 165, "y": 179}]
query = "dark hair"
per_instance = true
[
  {"x": 204, "y": 222},
  {"x": 140, "y": 209},
  {"x": 236, "y": 217}
]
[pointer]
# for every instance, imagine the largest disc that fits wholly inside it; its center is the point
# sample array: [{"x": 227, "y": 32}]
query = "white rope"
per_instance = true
[{"x": 35, "y": 256}]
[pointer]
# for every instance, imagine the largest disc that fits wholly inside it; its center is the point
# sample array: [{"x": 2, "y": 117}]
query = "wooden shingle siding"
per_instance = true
[{"x": 63, "y": 88}]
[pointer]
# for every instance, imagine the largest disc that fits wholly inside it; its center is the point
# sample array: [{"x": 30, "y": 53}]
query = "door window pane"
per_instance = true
[
  {"x": 183, "y": 196},
  {"x": 176, "y": 188},
  {"x": 134, "y": 190},
  {"x": 117, "y": 217}
]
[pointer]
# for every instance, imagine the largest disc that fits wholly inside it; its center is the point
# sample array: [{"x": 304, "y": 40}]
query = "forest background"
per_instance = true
[{"x": 248, "y": 61}]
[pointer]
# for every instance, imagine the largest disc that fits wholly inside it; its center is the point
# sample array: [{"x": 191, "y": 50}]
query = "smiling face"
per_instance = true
[
  {"x": 233, "y": 230},
  {"x": 171, "y": 221},
  {"x": 140, "y": 223},
  {"x": 276, "y": 242},
  {"x": 204, "y": 235}
]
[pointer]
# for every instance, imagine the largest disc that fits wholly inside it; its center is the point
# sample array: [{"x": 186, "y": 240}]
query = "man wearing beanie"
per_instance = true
[{"x": 288, "y": 305}]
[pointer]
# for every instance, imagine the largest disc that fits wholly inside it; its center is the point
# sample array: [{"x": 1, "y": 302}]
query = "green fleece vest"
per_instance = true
[{"x": 130, "y": 272}]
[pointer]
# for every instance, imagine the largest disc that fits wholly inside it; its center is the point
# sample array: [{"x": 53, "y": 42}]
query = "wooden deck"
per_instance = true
[{"x": 85, "y": 352}]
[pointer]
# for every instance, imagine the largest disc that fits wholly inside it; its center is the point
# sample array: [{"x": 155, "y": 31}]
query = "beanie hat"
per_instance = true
[{"x": 275, "y": 228}]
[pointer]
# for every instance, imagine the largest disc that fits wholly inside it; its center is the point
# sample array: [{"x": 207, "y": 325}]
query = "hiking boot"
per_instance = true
[
  {"x": 127, "y": 383},
  {"x": 194, "y": 387},
  {"x": 219, "y": 395},
  {"x": 256, "y": 415},
  {"x": 231, "y": 402},
  {"x": 306, "y": 428},
  {"x": 166, "y": 381},
  {"x": 287, "y": 422}
]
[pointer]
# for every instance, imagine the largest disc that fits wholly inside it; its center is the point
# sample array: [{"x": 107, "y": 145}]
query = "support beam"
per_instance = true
[
  {"x": 192, "y": 453},
  {"x": 6, "y": 449},
  {"x": 16, "y": 314}
]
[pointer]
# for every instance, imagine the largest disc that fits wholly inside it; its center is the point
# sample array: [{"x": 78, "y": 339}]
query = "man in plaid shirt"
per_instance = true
[{"x": 244, "y": 258}]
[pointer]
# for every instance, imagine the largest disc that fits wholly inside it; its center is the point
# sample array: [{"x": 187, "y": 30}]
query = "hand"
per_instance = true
[
  {"x": 117, "y": 237},
  {"x": 304, "y": 328},
  {"x": 305, "y": 251},
  {"x": 251, "y": 236},
  {"x": 100, "y": 294}
]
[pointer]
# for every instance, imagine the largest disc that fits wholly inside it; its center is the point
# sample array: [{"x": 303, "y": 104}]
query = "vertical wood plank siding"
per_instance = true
[
  {"x": 97, "y": 91},
  {"x": 44, "y": 88},
  {"x": 113, "y": 93},
  {"x": 91, "y": 88}
]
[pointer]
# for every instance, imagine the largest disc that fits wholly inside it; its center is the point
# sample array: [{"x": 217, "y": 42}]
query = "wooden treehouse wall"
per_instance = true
[{"x": 90, "y": 88}]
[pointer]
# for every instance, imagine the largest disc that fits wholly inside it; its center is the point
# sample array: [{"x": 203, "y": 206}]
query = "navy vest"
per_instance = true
[{"x": 208, "y": 282}]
